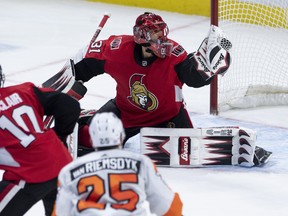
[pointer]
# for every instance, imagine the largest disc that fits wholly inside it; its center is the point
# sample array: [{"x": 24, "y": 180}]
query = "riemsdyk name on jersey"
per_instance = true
[{"x": 115, "y": 163}]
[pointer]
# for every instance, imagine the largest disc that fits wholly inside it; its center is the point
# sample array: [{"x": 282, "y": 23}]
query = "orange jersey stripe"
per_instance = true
[{"x": 176, "y": 207}]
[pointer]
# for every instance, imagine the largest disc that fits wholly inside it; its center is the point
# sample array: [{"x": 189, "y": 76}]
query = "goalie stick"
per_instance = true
[
  {"x": 190, "y": 147},
  {"x": 64, "y": 81},
  {"x": 99, "y": 28}
]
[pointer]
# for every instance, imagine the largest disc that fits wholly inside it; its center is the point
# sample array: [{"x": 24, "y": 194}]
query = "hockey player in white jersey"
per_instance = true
[{"x": 112, "y": 181}]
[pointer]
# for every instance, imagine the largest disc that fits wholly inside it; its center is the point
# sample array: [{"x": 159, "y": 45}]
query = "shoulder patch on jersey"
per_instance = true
[
  {"x": 177, "y": 50},
  {"x": 115, "y": 44}
]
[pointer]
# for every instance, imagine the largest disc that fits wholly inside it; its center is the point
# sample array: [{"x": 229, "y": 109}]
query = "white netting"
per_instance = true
[{"x": 258, "y": 30}]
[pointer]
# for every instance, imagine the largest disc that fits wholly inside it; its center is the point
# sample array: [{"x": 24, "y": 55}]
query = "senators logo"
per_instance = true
[{"x": 139, "y": 95}]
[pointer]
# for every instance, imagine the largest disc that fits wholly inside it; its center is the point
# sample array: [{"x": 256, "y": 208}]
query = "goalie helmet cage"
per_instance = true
[{"x": 258, "y": 74}]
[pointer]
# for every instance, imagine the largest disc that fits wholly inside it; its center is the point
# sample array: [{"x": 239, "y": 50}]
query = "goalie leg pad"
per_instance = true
[
  {"x": 72, "y": 142},
  {"x": 245, "y": 152},
  {"x": 243, "y": 148},
  {"x": 180, "y": 147}
]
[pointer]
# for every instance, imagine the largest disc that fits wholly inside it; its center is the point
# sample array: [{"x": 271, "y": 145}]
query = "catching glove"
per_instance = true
[{"x": 213, "y": 57}]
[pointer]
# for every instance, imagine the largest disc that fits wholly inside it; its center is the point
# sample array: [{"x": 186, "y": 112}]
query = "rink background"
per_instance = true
[{"x": 36, "y": 39}]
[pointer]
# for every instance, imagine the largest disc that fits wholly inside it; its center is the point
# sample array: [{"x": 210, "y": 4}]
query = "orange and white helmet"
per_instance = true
[{"x": 106, "y": 130}]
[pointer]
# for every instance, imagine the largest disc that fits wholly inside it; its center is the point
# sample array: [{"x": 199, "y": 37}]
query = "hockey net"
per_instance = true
[{"x": 258, "y": 75}]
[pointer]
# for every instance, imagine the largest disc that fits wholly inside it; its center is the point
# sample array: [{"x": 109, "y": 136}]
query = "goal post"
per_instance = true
[
  {"x": 258, "y": 74},
  {"x": 214, "y": 83}
]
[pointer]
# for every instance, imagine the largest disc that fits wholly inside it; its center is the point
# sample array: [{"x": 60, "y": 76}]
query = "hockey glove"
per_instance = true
[
  {"x": 212, "y": 57},
  {"x": 218, "y": 47}
]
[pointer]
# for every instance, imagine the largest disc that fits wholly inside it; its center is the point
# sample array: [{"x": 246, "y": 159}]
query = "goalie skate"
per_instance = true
[{"x": 261, "y": 156}]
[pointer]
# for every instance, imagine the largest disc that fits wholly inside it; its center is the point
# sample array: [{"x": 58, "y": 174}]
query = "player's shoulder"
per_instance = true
[
  {"x": 117, "y": 41},
  {"x": 22, "y": 87},
  {"x": 178, "y": 50},
  {"x": 66, "y": 171},
  {"x": 125, "y": 38},
  {"x": 134, "y": 155},
  {"x": 82, "y": 160}
]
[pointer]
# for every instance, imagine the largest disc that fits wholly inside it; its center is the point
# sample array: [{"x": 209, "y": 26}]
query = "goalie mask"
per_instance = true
[
  {"x": 151, "y": 31},
  {"x": 106, "y": 130},
  {"x": 2, "y": 77}
]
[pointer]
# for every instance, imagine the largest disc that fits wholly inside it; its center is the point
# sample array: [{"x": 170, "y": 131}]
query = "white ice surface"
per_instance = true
[{"x": 38, "y": 36}]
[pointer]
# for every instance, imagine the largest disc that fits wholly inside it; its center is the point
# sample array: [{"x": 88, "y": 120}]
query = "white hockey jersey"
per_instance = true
[{"x": 114, "y": 182}]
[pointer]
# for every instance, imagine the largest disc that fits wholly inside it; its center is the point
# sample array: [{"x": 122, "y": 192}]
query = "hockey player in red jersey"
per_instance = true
[
  {"x": 112, "y": 181},
  {"x": 150, "y": 70},
  {"x": 31, "y": 155}
]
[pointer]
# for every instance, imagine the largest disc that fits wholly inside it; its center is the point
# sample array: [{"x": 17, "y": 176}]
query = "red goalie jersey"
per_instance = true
[{"x": 147, "y": 94}]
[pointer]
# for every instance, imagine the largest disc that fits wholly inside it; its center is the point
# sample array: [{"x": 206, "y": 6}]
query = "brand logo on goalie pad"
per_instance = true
[{"x": 184, "y": 150}]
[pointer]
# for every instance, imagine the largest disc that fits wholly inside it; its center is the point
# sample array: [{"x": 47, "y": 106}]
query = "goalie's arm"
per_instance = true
[
  {"x": 88, "y": 68},
  {"x": 64, "y": 108},
  {"x": 187, "y": 73}
]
